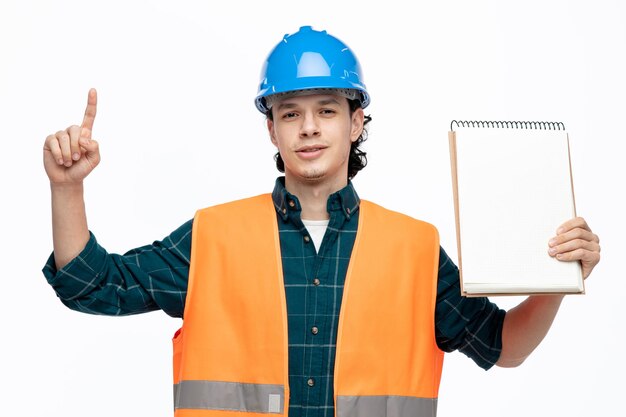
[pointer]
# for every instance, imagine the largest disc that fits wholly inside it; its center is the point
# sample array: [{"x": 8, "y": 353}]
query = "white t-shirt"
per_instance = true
[{"x": 317, "y": 229}]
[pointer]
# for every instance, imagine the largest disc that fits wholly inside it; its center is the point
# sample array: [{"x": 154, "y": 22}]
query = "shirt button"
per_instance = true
[
  {"x": 307, "y": 239},
  {"x": 315, "y": 330},
  {"x": 310, "y": 382},
  {"x": 284, "y": 211},
  {"x": 292, "y": 203},
  {"x": 348, "y": 210},
  {"x": 316, "y": 281}
]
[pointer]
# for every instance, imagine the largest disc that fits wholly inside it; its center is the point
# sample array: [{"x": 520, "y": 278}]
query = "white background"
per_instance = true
[{"x": 178, "y": 131}]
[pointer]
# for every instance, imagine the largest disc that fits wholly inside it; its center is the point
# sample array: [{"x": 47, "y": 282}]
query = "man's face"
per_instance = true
[{"x": 313, "y": 135}]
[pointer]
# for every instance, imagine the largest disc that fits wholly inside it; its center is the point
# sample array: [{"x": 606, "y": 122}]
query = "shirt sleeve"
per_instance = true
[
  {"x": 471, "y": 325},
  {"x": 147, "y": 278}
]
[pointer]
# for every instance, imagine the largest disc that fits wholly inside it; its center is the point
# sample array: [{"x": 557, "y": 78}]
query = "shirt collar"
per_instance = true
[{"x": 345, "y": 200}]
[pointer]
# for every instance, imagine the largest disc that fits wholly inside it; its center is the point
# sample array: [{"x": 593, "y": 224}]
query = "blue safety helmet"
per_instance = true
[{"x": 311, "y": 60}]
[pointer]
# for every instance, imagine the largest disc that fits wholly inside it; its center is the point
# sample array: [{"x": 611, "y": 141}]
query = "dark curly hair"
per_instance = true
[{"x": 357, "y": 159}]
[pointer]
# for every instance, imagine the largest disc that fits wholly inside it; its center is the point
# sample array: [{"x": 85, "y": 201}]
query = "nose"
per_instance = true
[{"x": 310, "y": 126}]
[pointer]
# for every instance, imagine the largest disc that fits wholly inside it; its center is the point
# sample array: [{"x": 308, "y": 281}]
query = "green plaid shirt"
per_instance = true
[{"x": 154, "y": 277}]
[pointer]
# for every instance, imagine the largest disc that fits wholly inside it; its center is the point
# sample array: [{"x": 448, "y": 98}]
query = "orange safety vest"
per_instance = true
[{"x": 230, "y": 356}]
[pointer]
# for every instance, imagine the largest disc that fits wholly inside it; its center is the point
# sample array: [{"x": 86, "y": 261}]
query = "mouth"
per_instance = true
[{"x": 310, "y": 149}]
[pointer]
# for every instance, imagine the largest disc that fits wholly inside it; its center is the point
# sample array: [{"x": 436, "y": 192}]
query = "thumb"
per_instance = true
[
  {"x": 90, "y": 145},
  {"x": 91, "y": 149}
]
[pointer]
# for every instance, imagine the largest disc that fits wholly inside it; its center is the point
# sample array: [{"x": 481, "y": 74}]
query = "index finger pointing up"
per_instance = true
[{"x": 90, "y": 113}]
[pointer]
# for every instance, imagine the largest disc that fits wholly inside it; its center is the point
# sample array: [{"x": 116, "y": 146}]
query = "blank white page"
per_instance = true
[{"x": 514, "y": 189}]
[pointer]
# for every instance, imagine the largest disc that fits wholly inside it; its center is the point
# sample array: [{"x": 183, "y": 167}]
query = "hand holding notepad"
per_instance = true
[{"x": 512, "y": 187}]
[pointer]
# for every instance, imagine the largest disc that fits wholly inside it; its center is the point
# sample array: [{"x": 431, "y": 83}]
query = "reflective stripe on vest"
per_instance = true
[
  {"x": 388, "y": 406},
  {"x": 211, "y": 395},
  {"x": 231, "y": 354}
]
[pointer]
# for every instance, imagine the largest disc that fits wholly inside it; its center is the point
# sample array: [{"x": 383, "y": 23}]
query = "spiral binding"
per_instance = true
[{"x": 509, "y": 124}]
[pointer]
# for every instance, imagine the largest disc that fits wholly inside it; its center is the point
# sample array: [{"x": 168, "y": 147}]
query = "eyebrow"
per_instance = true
[{"x": 323, "y": 102}]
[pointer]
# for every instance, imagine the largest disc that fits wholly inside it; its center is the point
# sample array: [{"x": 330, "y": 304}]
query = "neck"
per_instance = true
[{"x": 313, "y": 197}]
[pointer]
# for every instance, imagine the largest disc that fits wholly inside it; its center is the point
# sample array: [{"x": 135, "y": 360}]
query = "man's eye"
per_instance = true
[
  {"x": 328, "y": 111},
  {"x": 289, "y": 115}
]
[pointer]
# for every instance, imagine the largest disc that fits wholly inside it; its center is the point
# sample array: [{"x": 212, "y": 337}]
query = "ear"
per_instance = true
[
  {"x": 358, "y": 119},
  {"x": 272, "y": 133}
]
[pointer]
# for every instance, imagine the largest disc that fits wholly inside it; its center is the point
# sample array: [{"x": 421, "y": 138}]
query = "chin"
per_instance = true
[{"x": 313, "y": 176}]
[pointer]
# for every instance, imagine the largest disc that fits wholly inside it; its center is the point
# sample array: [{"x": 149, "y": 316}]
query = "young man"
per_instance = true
[{"x": 307, "y": 300}]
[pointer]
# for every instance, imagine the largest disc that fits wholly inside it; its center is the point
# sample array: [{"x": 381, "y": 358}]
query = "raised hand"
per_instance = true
[{"x": 70, "y": 155}]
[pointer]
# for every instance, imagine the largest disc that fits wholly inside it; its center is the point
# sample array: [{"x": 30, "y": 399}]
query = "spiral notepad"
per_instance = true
[{"x": 512, "y": 186}]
